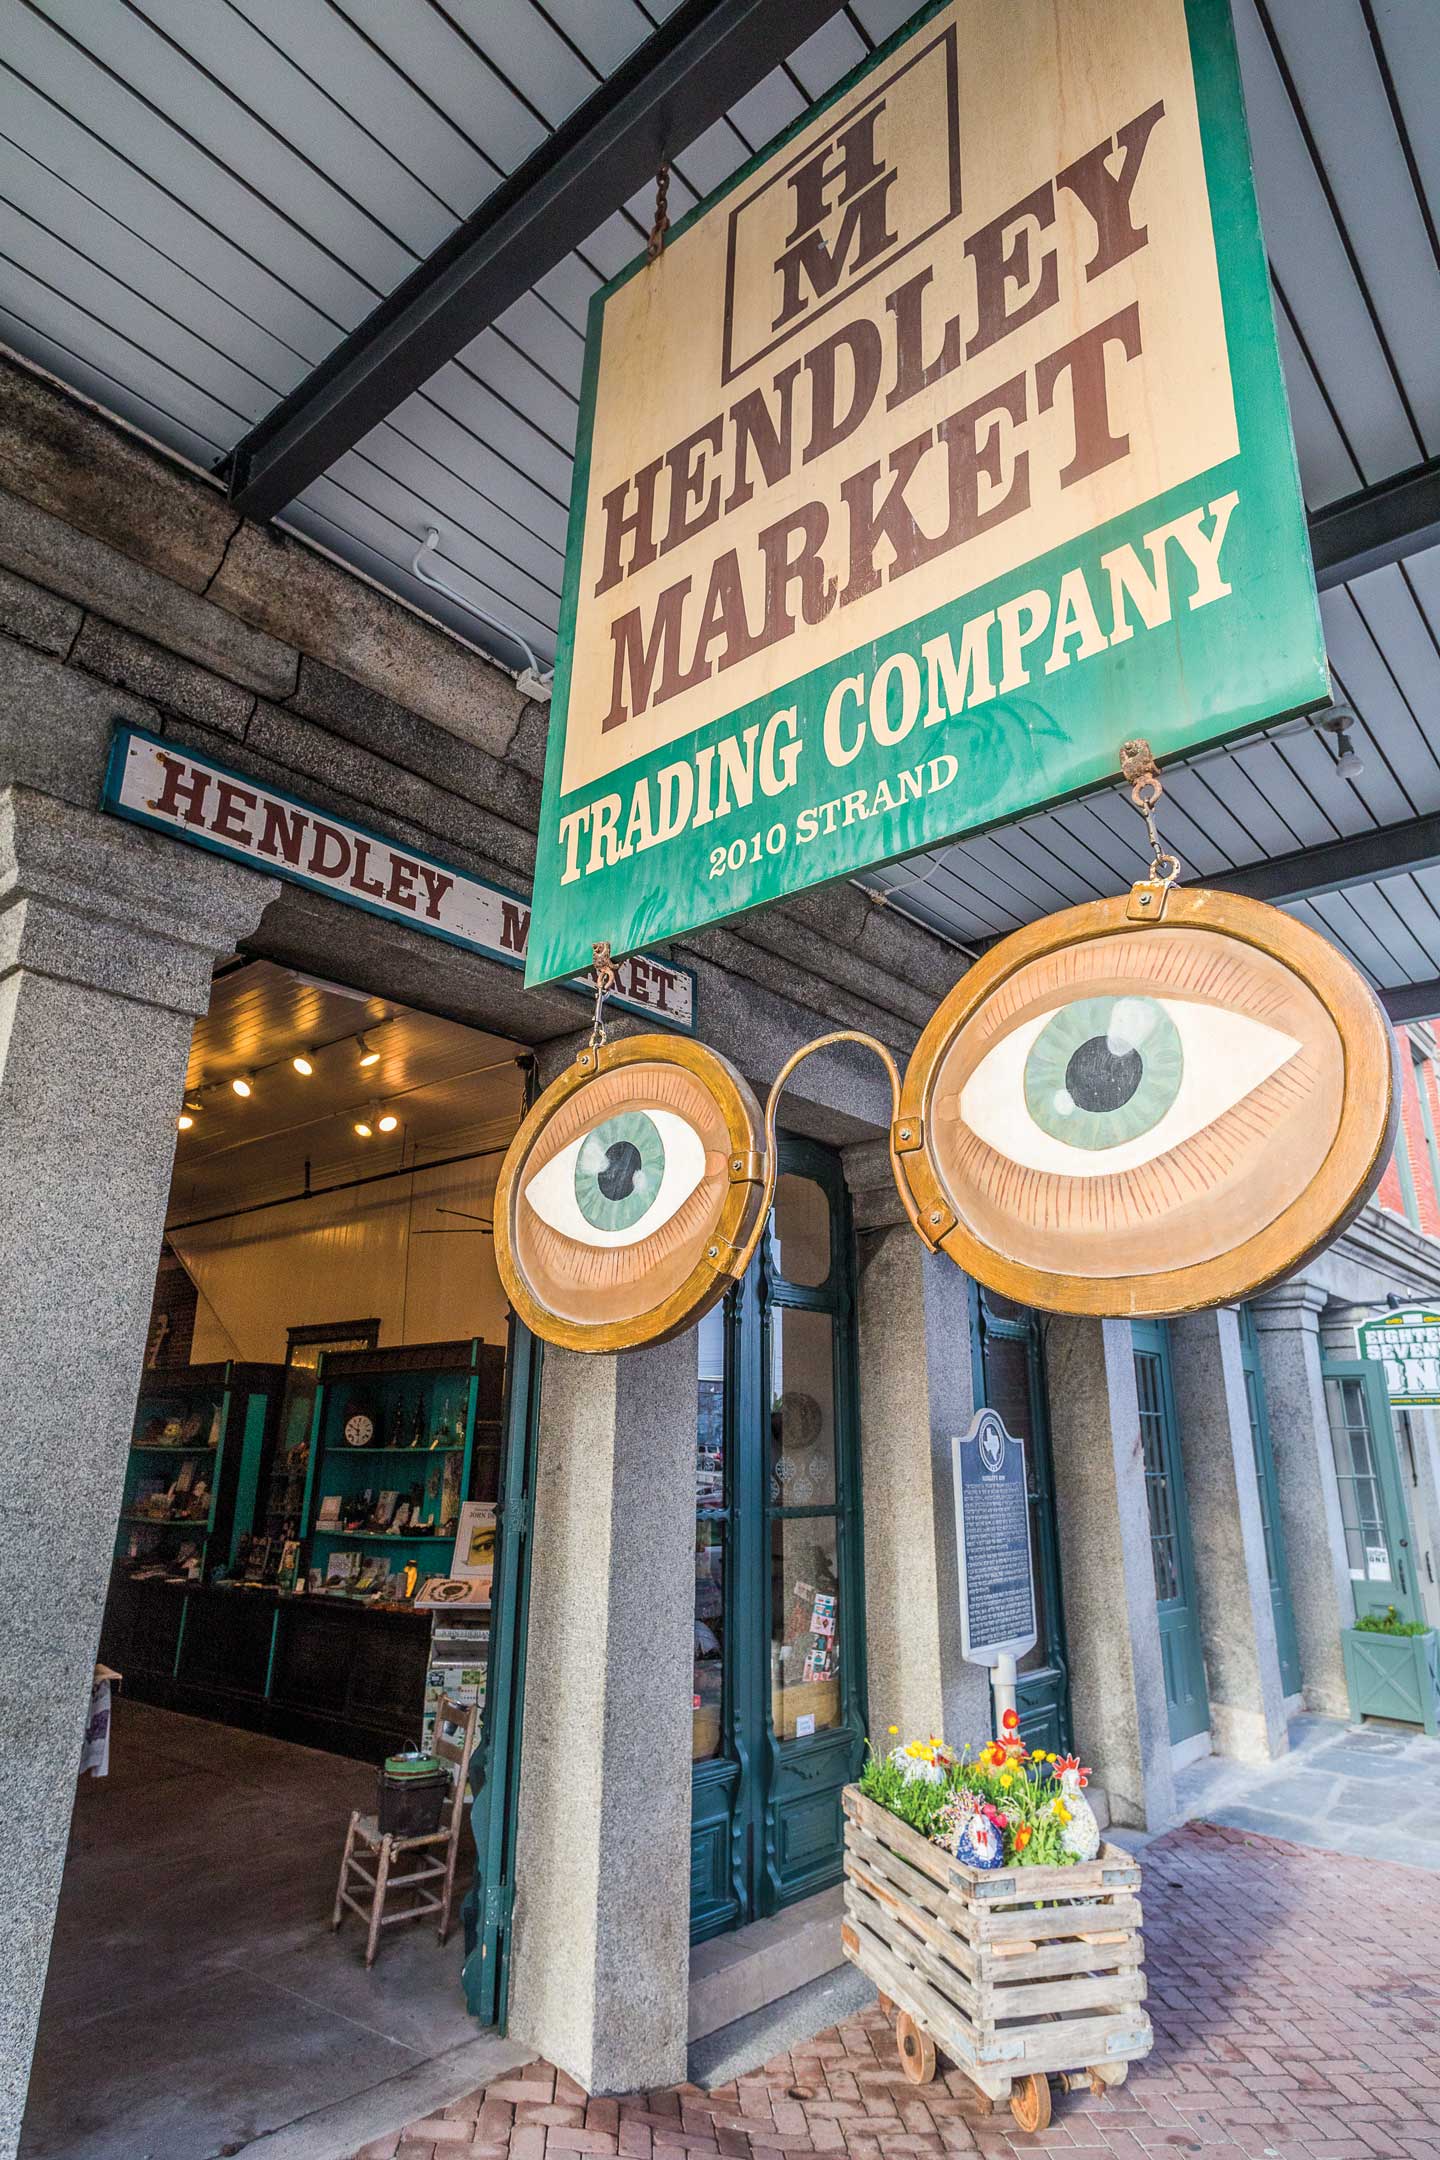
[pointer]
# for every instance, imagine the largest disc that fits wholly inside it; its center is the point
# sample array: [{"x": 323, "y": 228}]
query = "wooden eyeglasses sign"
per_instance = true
[{"x": 1144, "y": 1105}]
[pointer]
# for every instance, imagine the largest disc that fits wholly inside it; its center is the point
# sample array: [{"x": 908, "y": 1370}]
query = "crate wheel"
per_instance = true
[
  {"x": 1030, "y": 2102},
  {"x": 917, "y": 2051}
]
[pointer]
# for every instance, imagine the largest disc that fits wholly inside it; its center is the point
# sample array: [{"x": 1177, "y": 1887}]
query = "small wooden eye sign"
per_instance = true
[
  {"x": 632, "y": 1196},
  {"x": 1131, "y": 1109}
]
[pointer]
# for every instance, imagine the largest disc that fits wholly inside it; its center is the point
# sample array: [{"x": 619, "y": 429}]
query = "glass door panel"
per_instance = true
[
  {"x": 1012, "y": 1367},
  {"x": 1174, "y": 1568},
  {"x": 1372, "y": 1502}
]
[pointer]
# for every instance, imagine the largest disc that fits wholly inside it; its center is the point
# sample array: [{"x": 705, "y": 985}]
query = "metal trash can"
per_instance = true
[{"x": 412, "y": 1794}]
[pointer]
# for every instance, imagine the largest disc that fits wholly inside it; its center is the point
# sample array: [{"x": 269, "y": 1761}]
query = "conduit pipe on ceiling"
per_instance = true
[{"x": 532, "y": 678}]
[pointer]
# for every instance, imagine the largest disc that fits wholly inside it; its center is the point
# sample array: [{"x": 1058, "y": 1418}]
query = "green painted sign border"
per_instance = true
[{"x": 566, "y": 919}]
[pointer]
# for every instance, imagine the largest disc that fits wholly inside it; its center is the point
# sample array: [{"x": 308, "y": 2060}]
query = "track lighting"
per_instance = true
[
  {"x": 389, "y": 1122},
  {"x": 243, "y": 1083},
  {"x": 303, "y": 1064},
  {"x": 364, "y": 1128},
  {"x": 368, "y": 1056}
]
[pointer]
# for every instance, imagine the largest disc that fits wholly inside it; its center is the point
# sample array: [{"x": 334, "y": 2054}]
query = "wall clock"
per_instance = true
[{"x": 359, "y": 1427}]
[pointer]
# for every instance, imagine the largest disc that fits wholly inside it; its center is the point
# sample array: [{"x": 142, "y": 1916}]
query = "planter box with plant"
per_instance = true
[
  {"x": 996, "y": 1925},
  {"x": 1392, "y": 1669}
]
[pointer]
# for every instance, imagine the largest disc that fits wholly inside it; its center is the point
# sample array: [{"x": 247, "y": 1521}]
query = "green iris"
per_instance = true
[
  {"x": 618, "y": 1171},
  {"x": 1104, "y": 1070}
]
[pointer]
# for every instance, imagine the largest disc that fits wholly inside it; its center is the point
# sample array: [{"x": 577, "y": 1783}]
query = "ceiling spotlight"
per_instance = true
[
  {"x": 364, "y": 1128},
  {"x": 368, "y": 1056},
  {"x": 1348, "y": 763},
  {"x": 389, "y": 1122},
  {"x": 242, "y": 1085},
  {"x": 185, "y": 1120},
  {"x": 303, "y": 1064}
]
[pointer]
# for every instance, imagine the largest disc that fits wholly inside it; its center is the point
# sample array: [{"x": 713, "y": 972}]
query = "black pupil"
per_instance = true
[
  {"x": 617, "y": 1179},
  {"x": 1097, "y": 1078}
]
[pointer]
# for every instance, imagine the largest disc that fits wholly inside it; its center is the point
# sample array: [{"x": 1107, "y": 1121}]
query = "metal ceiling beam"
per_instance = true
[
  {"x": 1365, "y": 856},
  {"x": 1412, "y": 1001},
  {"x": 1377, "y": 525},
  {"x": 694, "y": 68}
]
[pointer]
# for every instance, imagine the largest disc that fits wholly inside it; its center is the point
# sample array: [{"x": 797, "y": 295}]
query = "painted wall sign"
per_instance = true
[
  {"x": 161, "y": 784},
  {"x": 992, "y": 1529},
  {"x": 1407, "y": 1343},
  {"x": 940, "y": 451}
]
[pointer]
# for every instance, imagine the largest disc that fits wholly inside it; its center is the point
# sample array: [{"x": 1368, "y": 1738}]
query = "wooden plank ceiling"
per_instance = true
[{"x": 202, "y": 197}]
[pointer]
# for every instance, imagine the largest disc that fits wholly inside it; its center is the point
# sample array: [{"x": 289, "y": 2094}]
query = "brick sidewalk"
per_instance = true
[{"x": 1296, "y": 2005}]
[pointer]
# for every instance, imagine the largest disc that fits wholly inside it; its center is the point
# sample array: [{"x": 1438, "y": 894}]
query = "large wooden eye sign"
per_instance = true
[
  {"x": 1116, "y": 1115},
  {"x": 632, "y": 1196}
]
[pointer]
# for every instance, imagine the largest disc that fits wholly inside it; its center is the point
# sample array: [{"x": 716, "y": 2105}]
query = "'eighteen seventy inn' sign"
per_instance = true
[{"x": 940, "y": 452}]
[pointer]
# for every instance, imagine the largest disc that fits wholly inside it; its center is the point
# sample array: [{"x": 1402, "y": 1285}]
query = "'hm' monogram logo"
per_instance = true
[{"x": 842, "y": 216}]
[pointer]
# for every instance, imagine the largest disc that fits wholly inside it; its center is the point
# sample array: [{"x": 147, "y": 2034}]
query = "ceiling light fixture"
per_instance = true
[
  {"x": 186, "y": 1118},
  {"x": 389, "y": 1122},
  {"x": 364, "y": 1129},
  {"x": 1349, "y": 765},
  {"x": 368, "y": 1056},
  {"x": 303, "y": 1064},
  {"x": 243, "y": 1084}
]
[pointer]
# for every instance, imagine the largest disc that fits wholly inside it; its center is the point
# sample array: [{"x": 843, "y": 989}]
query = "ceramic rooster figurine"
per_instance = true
[
  {"x": 1079, "y": 1832},
  {"x": 977, "y": 1831}
]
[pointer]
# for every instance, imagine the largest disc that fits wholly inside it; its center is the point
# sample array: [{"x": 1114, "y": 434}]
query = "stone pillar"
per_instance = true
[
  {"x": 1232, "y": 1575},
  {"x": 600, "y": 1960},
  {"x": 917, "y": 1392},
  {"x": 107, "y": 939},
  {"x": 1287, "y": 1326},
  {"x": 1117, "y": 1678}
]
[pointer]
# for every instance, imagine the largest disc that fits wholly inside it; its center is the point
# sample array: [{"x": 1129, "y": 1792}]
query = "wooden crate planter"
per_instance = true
[{"x": 1010, "y": 1994}]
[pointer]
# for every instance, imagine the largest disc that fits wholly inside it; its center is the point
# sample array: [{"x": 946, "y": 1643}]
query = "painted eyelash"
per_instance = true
[
  {"x": 666, "y": 1090},
  {"x": 1182, "y": 964},
  {"x": 1048, "y": 1201},
  {"x": 587, "y": 1267}
]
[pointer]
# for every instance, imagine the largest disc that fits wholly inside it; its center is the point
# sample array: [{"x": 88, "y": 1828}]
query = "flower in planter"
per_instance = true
[{"x": 928, "y": 1761}]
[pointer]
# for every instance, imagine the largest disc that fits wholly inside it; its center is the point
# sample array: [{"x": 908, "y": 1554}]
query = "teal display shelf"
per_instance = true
[
  {"x": 217, "y": 1417},
  {"x": 432, "y": 1411}
]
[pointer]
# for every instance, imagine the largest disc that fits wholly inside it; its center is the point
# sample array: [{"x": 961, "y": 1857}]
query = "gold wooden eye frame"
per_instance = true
[
  {"x": 1271, "y": 1179},
  {"x": 1217, "y": 1211},
  {"x": 643, "y": 1299}
]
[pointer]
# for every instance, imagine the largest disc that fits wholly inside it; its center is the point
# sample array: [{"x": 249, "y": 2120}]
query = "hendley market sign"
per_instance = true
[{"x": 941, "y": 451}]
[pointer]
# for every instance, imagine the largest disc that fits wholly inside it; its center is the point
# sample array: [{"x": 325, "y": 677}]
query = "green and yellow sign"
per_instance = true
[
  {"x": 1407, "y": 1344},
  {"x": 940, "y": 451}
]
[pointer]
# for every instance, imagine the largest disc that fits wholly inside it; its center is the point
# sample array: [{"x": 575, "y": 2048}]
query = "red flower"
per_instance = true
[{"x": 1011, "y": 1720}]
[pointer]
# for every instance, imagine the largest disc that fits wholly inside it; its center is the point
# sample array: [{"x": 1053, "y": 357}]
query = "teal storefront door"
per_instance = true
[
  {"x": 1170, "y": 1548},
  {"x": 1011, "y": 1362},
  {"x": 1275, "y": 1561},
  {"x": 778, "y": 1702},
  {"x": 1378, "y": 1547}
]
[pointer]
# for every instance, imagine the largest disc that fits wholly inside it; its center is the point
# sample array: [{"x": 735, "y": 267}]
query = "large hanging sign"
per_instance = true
[
  {"x": 1407, "y": 1344},
  {"x": 942, "y": 449}
]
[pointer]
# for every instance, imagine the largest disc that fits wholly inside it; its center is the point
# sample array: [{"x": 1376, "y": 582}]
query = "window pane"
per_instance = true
[
  {"x": 806, "y": 1624},
  {"x": 800, "y": 1231},
  {"x": 711, "y": 1529},
  {"x": 802, "y": 1408},
  {"x": 709, "y": 1682}
]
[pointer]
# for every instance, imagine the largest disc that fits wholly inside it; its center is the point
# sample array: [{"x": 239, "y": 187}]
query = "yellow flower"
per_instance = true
[
  {"x": 892, "y": 1728},
  {"x": 1007, "y": 1779},
  {"x": 1060, "y": 1811}
]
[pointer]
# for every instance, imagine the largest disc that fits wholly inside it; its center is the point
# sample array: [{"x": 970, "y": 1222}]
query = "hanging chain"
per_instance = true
[
  {"x": 662, "y": 215},
  {"x": 1137, "y": 763},
  {"x": 604, "y": 973}
]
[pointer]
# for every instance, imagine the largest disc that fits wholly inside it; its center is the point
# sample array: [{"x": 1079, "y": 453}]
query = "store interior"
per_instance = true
[{"x": 318, "y": 1420}]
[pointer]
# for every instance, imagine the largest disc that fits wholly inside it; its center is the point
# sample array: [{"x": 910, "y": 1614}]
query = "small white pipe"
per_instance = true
[{"x": 532, "y": 677}]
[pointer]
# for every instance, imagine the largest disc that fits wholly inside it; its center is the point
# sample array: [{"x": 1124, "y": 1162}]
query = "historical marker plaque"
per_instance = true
[{"x": 992, "y": 1527}]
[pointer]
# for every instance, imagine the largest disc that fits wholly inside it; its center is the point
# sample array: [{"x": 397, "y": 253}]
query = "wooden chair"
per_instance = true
[{"x": 454, "y": 1743}]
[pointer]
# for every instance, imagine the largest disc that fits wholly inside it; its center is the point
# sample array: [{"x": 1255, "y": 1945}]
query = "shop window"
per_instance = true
[
  {"x": 711, "y": 1538},
  {"x": 800, "y": 1232}
]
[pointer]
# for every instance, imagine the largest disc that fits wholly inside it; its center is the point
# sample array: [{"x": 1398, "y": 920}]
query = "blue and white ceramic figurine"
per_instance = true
[{"x": 977, "y": 1841}]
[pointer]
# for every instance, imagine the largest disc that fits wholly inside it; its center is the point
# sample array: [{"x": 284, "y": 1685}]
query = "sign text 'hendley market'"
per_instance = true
[
  {"x": 177, "y": 791},
  {"x": 939, "y": 452}
]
